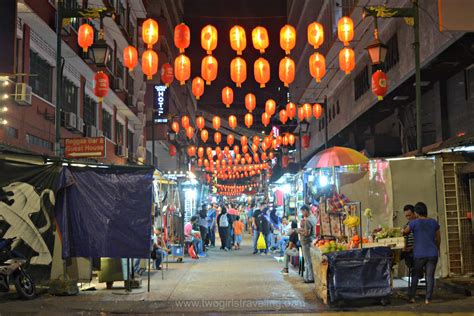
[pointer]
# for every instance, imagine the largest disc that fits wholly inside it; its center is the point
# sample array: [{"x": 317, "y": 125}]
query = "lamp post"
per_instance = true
[
  {"x": 377, "y": 51},
  {"x": 100, "y": 53}
]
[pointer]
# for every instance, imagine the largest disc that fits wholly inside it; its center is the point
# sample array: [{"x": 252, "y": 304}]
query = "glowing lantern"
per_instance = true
[
  {"x": 182, "y": 68},
  {"x": 264, "y": 156},
  {"x": 238, "y": 71},
  {"x": 291, "y": 139},
  {"x": 182, "y": 37},
  {"x": 379, "y": 84},
  {"x": 167, "y": 74},
  {"x": 256, "y": 140},
  {"x": 261, "y": 71},
  {"x": 291, "y": 110},
  {"x": 216, "y": 122},
  {"x": 254, "y": 148},
  {"x": 209, "y": 69},
  {"x": 268, "y": 141},
  {"x": 209, "y": 38},
  {"x": 265, "y": 119},
  {"x": 85, "y": 36},
  {"x": 190, "y": 132},
  {"x": 317, "y": 66},
  {"x": 275, "y": 144},
  {"x": 345, "y": 30},
  {"x": 230, "y": 139},
  {"x": 315, "y": 34},
  {"x": 347, "y": 60},
  {"x": 101, "y": 85},
  {"x": 175, "y": 127},
  {"x": 149, "y": 63},
  {"x": 317, "y": 110},
  {"x": 287, "y": 38},
  {"x": 250, "y": 102},
  {"x": 286, "y": 71},
  {"x": 204, "y": 135},
  {"x": 130, "y": 57},
  {"x": 172, "y": 150},
  {"x": 232, "y": 121},
  {"x": 185, "y": 121},
  {"x": 191, "y": 151},
  {"x": 270, "y": 107},
  {"x": 217, "y": 137},
  {"x": 200, "y": 162},
  {"x": 150, "y": 32},
  {"x": 248, "y": 120},
  {"x": 285, "y": 140},
  {"x": 200, "y": 152},
  {"x": 227, "y": 96},
  {"x": 308, "y": 111},
  {"x": 236, "y": 150},
  {"x": 200, "y": 122},
  {"x": 243, "y": 140},
  {"x": 300, "y": 113},
  {"x": 283, "y": 116},
  {"x": 198, "y": 87},
  {"x": 260, "y": 38},
  {"x": 238, "y": 41},
  {"x": 271, "y": 155}
]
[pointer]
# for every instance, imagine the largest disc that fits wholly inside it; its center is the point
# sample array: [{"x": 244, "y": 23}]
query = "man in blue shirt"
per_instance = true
[
  {"x": 211, "y": 224},
  {"x": 425, "y": 249}
]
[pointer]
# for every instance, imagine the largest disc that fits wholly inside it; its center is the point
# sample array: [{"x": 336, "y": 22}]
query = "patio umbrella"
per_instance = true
[{"x": 336, "y": 156}]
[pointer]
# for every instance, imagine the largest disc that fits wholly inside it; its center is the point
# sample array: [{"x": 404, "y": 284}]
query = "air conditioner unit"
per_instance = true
[
  {"x": 80, "y": 125},
  {"x": 23, "y": 94},
  {"x": 119, "y": 84},
  {"x": 69, "y": 120},
  {"x": 91, "y": 131}
]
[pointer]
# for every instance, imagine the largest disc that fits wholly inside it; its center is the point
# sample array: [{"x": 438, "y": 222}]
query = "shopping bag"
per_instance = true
[
  {"x": 261, "y": 244},
  {"x": 192, "y": 252}
]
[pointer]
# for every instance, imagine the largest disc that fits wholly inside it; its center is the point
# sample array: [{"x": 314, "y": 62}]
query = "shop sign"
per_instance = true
[
  {"x": 275, "y": 131},
  {"x": 160, "y": 103},
  {"x": 84, "y": 147}
]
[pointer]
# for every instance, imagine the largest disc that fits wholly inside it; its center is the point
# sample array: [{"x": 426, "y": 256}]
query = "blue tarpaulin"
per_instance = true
[{"x": 105, "y": 212}]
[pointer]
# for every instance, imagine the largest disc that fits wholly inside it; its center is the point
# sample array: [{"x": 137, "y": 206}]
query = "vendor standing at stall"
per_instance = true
[
  {"x": 425, "y": 251},
  {"x": 307, "y": 232}
]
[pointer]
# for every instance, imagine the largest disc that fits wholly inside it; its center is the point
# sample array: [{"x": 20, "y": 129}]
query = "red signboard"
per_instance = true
[{"x": 84, "y": 147}]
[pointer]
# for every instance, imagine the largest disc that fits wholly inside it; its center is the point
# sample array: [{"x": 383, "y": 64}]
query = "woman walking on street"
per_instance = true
[{"x": 223, "y": 223}]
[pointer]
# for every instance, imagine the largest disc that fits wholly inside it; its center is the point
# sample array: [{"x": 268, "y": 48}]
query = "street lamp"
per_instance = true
[
  {"x": 100, "y": 53},
  {"x": 377, "y": 51},
  {"x": 172, "y": 136},
  {"x": 304, "y": 127}
]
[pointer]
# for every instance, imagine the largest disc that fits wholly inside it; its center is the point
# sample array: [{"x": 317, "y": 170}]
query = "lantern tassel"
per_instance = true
[{"x": 380, "y": 98}]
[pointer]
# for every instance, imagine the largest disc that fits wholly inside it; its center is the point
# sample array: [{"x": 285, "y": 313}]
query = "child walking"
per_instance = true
[{"x": 238, "y": 227}]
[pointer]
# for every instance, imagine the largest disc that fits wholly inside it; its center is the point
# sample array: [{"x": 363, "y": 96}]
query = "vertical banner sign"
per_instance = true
[{"x": 160, "y": 103}]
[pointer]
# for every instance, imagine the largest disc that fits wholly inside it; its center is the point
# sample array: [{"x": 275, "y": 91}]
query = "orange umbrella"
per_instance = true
[{"x": 336, "y": 156}]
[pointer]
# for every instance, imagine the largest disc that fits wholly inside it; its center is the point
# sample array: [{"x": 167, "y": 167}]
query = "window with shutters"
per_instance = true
[
  {"x": 361, "y": 83},
  {"x": 90, "y": 111},
  {"x": 69, "y": 96},
  {"x": 119, "y": 134},
  {"x": 41, "y": 79},
  {"x": 107, "y": 124}
]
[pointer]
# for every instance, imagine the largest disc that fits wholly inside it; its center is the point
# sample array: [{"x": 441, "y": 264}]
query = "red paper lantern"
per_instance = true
[
  {"x": 248, "y": 120},
  {"x": 317, "y": 66},
  {"x": 209, "y": 68},
  {"x": 286, "y": 71},
  {"x": 291, "y": 139},
  {"x": 85, "y": 36},
  {"x": 287, "y": 38},
  {"x": 216, "y": 122},
  {"x": 283, "y": 116},
  {"x": 167, "y": 74},
  {"x": 227, "y": 96},
  {"x": 182, "y": 37},
  {"x": 308, "y": 111},
  {"x": 101, "y": 85},
  {"x": 200, "y": 122},
  {"x": 150, "y": 32},
  {"x": 217, "y": 137},
  {"x": 291, "y": 110},
  {"x": 256, "y": 140},
  {"x": 270, "y": 107},
  {"x": 238, "y": 71},
  {"x": 261, "y": 71},
  {"x": 182, "y": 68},
  {"x": 317, "y": 110},
  {"x": 260, "y": 39},
  {"x": 204, "y": 135},
  {"x": 191, "y": 151},
  {"x": 238, "y": 41},
  {"x": 265, "y": 119},
  {"x": 149, "y": 63},
  {"x": 190, "y": 132},
  {"x": 236, "y": 150},
  {"x": 232, "y": 121},
  {"x": 300, "y": 113},
  {"x": 130, "y": 57},
  {"x": 347, "y": 60},
  {"x": 230, "y": 139},
  {"x": 185, "y": 121},
  {"x": 200, "y": 152},
  {"x": 379, "y": 84},
  {"x": 315, "y": 34},
  {"x": 175, "y": 127},
  {"x": 209, "y": 38},
  {"x": 244, "y": 140},
  {"x": 197, "y": 87},
  {"x": 250, "y": 102},
  {"x": 345, "y": 30}
]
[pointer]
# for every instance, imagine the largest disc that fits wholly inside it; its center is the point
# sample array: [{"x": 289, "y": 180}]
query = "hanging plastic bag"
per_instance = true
[
  {"x": 192, "y": 252},
  {"x": 261, "y": 244}
]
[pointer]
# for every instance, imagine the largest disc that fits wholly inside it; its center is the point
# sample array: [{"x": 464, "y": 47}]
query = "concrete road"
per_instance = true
[{"x": 223, "y": 282}]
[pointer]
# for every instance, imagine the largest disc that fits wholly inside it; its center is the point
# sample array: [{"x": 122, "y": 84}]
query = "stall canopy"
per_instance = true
[{"x": 336, "y": 156}]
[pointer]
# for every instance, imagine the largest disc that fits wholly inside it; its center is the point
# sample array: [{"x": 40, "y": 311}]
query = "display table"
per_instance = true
[{"x": 353, "y": 274}]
